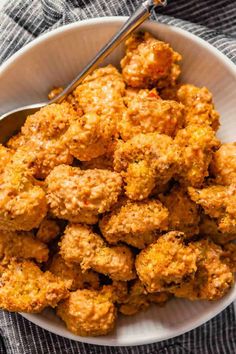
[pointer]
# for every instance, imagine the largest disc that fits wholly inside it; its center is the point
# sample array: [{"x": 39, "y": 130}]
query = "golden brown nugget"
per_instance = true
[
  {"x": 5, "y": 157},
  {"x": 79, "y": 196},
  {"x": 25, "y": 288},
  {"x": 22, "y": 202},
  {"x": 88, "y": 313},
  {"x": 145, "y": 162},
  {"x": 164, "y": 264},
  {"x": 135, "y": 223},
  {"x": 102, "y": 93},
  {"x": 22, "y": 245},
  {"x": 48, "y": 230},
  {"x": 81, "y": 245},
  {"x": 229, "y": 255},
  {"x": 42, "y": 138},
  {"x": 213, "y": 278},
  {"x": 219, "y": 202},
  {"x": 131, "y": 93},
  {"x": 199, "y": 105},
  {"x": 90, "y": 136},
  {"x": 196, "y": 144},
  {"x": 147, "y": 114},
  {"x": 208, "y": 227},
  {"x": 223, "y": 165},
  {"x": 149, "y": 62},
  {"x": 72, "y": 274},
  {"x": 138, "y": 299},
  {"x": 183, "y": 212}
]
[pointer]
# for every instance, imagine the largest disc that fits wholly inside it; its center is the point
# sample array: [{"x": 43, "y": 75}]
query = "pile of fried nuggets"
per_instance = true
[{"x": 119, "y": 197}]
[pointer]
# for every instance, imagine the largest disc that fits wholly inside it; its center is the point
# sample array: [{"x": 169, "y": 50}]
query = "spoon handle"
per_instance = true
[{"x": 135, "y": 20}]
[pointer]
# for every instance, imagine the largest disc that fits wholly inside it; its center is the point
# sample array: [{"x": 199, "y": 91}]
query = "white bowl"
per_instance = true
[{"x": 54, "y": 59}]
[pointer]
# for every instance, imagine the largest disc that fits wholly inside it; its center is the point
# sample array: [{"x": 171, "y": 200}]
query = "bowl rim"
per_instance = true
[{"x": 232, "y": 68}]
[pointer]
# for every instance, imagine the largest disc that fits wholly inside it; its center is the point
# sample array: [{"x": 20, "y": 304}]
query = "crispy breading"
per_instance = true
[
  {"x": 147, "y": 114},
  {"x": 88, "y": 313},
  {"x": 42, "y": 138},
  {"x": 219, "y": 202},
  {"x": 25, "y": 288},
  {"x": 199, "y": 105},
  {"x": 72, "y": 274},
  {"x": 48, "y": 230},
  {"x": 223, "y": 165},
  {"x": 208, "y": 227},
  {"x": 81, "y": 245},
  {"x": 197, "y": 144},
  {"x": 22, "y": 201},
  {"x": 131, "y": 93},
  {"x": 213, "y": 278},
  {"x": 183, "y": 212},
  {"x": 5, "y": 157},
  {"x": 102, "y": 93},
  {"x": 90, "y": 136},
  {"x": 138, "y": 299},
  {"x": 135, "y": 223},
  {"x": 229, "y": 255},
  {"x": 164, "y": 264},
  {"x": 79, "y": 195},
  {"x": 145, "y": 161},
  {"x": 149, "y": 62},
  {"x": 22, "y": 245}
]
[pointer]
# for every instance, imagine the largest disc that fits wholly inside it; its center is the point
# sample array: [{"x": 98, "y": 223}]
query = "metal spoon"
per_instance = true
[{"x": 12, "y": 121}]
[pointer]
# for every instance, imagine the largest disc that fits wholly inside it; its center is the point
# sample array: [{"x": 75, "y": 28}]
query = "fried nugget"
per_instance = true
[
  {"x": 72, "y": 274},
  {"x": 183, "y": 212},
  {"x": 81, "y": 245},
  {"x": 22, "y": 245},
  {"x": 25, "y": 288},
  {"x": 199, "y": 105},
  {"x": 138, "y": 299},
  {"x": 147, "y": 114},
  {"x": 208, "y": 227},
  {"x": 88, "y": 313},
  {"x": 229, "y": 255},
  {"x": 48, "y": 230},
  {"x": 135, "y": 223},
  {"x": 196, "y": 144},
  {"x": 145, "y": 161},
  {"x": 91, "y": 136},
  {"x": 101, "y": 93},
  {"x": 219, "y": 202},
  {"x": 22, "y": 202},
  {"x": 149, "y": 62},
  {"x": 223, "y": 165},
  {"x": 79, "y": 196},
  {"x": 213, "y": 277},
  {"x": 5, "y": 157},
  {"x": 164, "y": 264},
  {"x": 42, "y": 138}
]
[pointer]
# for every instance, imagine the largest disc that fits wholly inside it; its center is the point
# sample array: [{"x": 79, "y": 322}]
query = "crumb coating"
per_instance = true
[
  {"x": 81, "y": 245},
  {"x": 135, "y": 223},
  {"x": 25, "y": 279},
  {"x": 22, "y": 245},
  {"x": 88, "y": 313},
  {"x": 183, "y": 212},
  {"x": 145, "y": 161},
  {"x": 72, "y": 274},
  {"x": 149, "y": 62},
  {"x": 166, "y": 263},
  {"x": 223, "y": 165},
  {"x": 79, "y": 196},
  {"x": 148, "y": 114}
]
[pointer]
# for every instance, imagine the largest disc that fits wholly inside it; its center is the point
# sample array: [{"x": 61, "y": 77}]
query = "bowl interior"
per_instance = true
[{"x": 53, "y": 60}]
